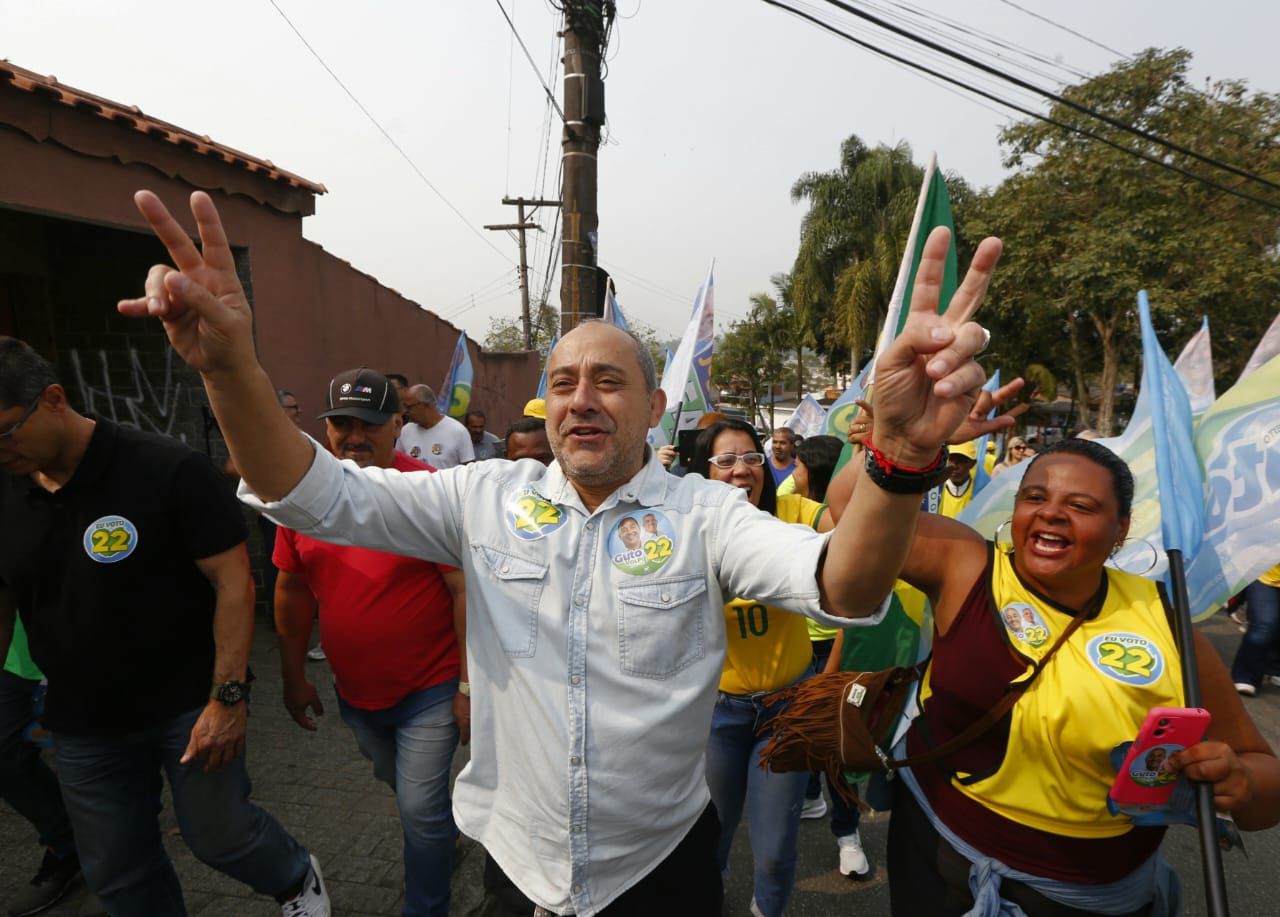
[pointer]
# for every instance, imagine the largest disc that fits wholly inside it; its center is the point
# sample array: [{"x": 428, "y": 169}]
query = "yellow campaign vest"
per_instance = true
[
  {"x": 767, "y": 648},
  {"x": 949, "y": 505},
  {"x": 1093, "y": 695}
]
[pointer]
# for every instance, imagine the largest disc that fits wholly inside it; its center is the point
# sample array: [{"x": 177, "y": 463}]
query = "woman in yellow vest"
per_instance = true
[
  {"x": 1016, "y": 821},
  {"x": 767, "y": 649}
]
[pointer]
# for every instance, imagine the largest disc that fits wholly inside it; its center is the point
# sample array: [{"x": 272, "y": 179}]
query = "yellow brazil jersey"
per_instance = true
[
  {"x": 1093, "y": 695},
  {"x": 767, "y": 648},
  {"x": 1271, "y": 577}
]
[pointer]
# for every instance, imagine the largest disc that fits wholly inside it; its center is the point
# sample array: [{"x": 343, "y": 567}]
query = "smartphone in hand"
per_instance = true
[{"x": 1145, "y": 780}]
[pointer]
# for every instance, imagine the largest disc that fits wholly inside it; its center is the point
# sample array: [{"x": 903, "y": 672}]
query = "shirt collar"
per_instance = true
[
  {"x": 96, "y": 458},
  {"x": 648, "y": 486}
]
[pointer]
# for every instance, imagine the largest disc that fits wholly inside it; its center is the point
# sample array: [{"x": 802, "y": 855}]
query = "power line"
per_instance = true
[
  {"x": 1060, "y": 99},
  {"x": 547, "y": 89},
  {"x": 1070, "y": 31},
  {"x": 391, "y": 140},
  {"x": 914, "y": 65}
]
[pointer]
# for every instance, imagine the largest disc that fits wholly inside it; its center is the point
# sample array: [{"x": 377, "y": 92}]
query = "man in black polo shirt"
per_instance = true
[{"x": 124, "y": 555}]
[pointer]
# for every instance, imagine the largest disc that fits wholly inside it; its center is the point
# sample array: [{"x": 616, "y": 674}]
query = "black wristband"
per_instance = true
[{"x": 898, "y": 480}]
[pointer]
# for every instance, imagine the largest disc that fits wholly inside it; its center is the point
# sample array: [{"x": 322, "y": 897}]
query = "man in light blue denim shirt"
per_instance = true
[{"x": 594, "y": 655}]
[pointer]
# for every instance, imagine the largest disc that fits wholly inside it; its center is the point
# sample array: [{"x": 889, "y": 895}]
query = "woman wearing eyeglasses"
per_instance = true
[
  {"x": 1015, "y": 450},
  {"x": 767, "y": 649}
]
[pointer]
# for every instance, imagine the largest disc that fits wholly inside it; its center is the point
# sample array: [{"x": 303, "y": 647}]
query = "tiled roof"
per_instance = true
[{"x": 131, "y": 117}]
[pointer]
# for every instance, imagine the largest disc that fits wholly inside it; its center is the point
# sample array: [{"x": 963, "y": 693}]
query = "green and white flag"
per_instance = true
[{"x": 933, "y": 209}]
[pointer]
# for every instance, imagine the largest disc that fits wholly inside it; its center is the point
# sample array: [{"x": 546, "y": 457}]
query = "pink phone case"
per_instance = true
[{"x": 1143, "y": 779}]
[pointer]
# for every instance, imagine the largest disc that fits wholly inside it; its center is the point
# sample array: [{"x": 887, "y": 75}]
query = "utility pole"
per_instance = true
[
  {"x": 586, "y": 24},
  {"x": 520, "y": 226}
]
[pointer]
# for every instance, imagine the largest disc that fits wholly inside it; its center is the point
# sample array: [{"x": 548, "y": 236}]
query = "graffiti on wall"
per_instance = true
[{"x": 141, "y": 404}]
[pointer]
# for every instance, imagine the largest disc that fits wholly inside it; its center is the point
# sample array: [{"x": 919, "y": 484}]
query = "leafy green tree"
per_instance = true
[
  {"x": 752, "y": 354},
  {"x": 1086, "y": 226}
]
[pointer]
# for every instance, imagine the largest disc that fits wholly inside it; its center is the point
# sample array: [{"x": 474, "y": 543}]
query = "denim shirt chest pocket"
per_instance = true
[
  {"x": 662, "y": 625},
  {"x": 521, "y": 581}
]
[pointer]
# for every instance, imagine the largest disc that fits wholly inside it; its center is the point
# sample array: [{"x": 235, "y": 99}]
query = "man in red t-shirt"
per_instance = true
[{"x": 392, "y": 627}]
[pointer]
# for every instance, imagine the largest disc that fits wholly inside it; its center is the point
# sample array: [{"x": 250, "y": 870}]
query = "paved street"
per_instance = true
[{"x": 321, "y": 788}]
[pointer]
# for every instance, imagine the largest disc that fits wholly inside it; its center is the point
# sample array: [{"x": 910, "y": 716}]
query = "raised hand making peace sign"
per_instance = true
[
  {"x": 201, "y": 302},
  {"x": 927, "y": 381},
  {"x": 209, "y": 323}
]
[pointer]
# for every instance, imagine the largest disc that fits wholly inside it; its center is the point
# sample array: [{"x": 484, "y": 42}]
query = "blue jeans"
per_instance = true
[
  {"x": 1260, "y": 640},
  {"x": 111, "y": 786},
  {"x": 773, "y": 800},
  {"x": 411, "y": 746},
  {"x": 26, "y": 782}
]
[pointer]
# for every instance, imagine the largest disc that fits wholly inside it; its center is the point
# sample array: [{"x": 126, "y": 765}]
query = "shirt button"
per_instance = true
[
  {"x": 665, "y": 597},
  {"x": 575, "y": 760},
  {"x": 506, "y": 570},
  {"x": 577, "y": 889},
  {"x": 579, "y": 600},
  {"x": 577, "y": 829},
  {"x": 590, "y": 526},
  {"x": 575, "y": 679}
]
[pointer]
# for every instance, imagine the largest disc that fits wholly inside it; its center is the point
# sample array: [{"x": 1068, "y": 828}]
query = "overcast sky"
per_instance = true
[{"x": 715, "y": 107}]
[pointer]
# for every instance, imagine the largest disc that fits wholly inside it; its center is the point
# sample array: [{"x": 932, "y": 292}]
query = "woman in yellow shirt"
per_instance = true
[{"x": 767, "y": 649}]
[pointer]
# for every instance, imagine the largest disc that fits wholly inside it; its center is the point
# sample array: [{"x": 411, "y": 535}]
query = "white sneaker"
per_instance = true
[
  {"x": 316, "y": 653},
  {"x": 853, "y": 862},
  {"x": 1246, "y": 689},
  {"x": 814, "y": 808},
  {"x": 313, "y": 900}
]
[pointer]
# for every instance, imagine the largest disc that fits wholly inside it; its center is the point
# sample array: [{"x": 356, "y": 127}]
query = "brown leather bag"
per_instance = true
[{"x": 842, "y": 721}]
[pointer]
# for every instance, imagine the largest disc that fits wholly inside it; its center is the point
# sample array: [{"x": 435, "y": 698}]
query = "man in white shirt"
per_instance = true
[
  {"x": 430, "y": 436},
  {"x": 551, "y": 732}
]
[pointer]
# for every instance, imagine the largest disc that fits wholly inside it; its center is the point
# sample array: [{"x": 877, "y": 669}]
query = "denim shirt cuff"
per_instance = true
[{"x": 304, "y": 506}]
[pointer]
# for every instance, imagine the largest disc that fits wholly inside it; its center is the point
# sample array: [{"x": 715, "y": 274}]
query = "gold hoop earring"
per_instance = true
[
  {"x": 995, "y": 539},
  {"x": 1155, "y": 557}
]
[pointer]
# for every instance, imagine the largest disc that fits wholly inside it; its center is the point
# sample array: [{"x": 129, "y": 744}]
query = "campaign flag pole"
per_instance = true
[{"x": 1182, "y": 530}]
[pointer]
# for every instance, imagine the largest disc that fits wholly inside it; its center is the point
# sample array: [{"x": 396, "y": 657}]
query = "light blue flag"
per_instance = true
[
  {"x": 454, "y": 397},
  {"x": 1178, "y": 472},
  {"x": 542, "y": 383},
  {"x": 1237, "y": 442},
  {"x": 844, "y": 408},
  {"x": 981, "y": 477},
  {"x": 613, "y": 311}
]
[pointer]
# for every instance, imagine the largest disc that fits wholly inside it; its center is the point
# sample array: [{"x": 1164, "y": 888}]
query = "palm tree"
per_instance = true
[{"x": 851, "y": 242}]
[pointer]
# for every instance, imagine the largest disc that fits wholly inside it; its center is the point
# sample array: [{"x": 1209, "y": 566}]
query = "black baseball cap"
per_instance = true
[{"x": 363, "y": 394}]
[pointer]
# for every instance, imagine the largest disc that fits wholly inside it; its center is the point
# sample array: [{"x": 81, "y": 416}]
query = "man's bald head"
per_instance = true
[{"x": 648, "y": 368}]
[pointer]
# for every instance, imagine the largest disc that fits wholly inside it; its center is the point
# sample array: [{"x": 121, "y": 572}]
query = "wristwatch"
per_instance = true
[{"x": 231, "y": 692}]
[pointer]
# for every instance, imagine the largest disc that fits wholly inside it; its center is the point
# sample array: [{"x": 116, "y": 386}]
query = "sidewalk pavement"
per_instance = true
[{"x": 323, "y": 790}]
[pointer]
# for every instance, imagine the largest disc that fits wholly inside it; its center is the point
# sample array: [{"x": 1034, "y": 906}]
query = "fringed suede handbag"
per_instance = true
[{"x": 843, "y": 721}]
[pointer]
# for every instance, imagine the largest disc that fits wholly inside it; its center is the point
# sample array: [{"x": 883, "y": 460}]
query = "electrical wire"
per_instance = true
[
  {"x": 914, "y": 65},
  {"x": 391, "y": 140},
  {"x": 545, "y": 88},
  {"x": 1070, "y": 31},
  {"x": 1053, "y": 96}
]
